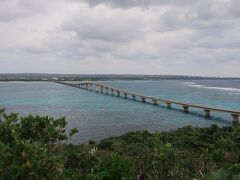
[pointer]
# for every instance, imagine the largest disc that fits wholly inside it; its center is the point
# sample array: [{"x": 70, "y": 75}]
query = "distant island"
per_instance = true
[{"x": 97, "y": 77}]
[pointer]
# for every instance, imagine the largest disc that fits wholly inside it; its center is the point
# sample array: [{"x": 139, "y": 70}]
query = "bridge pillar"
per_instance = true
[
  {"x": 96, "y": 88},
  {"x": 235, "y": 118},
  {"x": 143, "y": 99},
  {"x": 118, "y": 93},
  {"x": 185, "y": 109},
  {"x": 133, "y": 97},
  {"x": 111, "y": 91},
  {"x": 101, "y": 89},
  {"x": 168, "y": 105},
  {"x": 125, "y": 95},
  {"x": 154, "y": 102},
  {"x": 207, "y": 113},
  {"x": 106, "y": 90}
]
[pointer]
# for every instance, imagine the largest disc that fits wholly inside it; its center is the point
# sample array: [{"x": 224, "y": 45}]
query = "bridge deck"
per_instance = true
[{"x": 88, "y": 85}]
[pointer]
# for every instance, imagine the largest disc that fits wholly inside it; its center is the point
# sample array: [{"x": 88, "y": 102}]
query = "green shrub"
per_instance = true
[
  {"x": 113, "y": 168},
  {"x": 30, "y": 147},
  {"x": 35, "y": 147},
  {"x": 105, "y": 144},
  {"x": 231, "y": 173}
]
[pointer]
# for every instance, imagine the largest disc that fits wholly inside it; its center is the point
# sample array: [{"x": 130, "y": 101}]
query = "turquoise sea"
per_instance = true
[{"x": 99, "y": 116}]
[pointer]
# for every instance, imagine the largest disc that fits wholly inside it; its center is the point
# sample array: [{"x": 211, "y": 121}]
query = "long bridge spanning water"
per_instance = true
[{"x": 103, "y": 88}]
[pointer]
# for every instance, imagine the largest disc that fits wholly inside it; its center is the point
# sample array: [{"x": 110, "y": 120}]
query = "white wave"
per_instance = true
[
  {"x": 198, "y": 86},
  {"x": 189, "y": 83},
  {"x": 236, "y": 90},
  {"x": 225, "y": 89}
]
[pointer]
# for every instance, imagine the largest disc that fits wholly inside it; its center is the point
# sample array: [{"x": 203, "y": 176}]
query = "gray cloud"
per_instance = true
[
  {"x": 17, "y": 9},
  {"x": 139, "y": 3},
  {"x": 111, "y": 36}
]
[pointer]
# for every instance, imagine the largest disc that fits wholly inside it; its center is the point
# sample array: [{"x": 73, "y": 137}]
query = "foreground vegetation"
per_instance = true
[{"x": 35, "y": 147}]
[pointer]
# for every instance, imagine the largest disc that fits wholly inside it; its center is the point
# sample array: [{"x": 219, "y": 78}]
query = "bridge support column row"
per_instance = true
[
  {"x": 235, "y": 119},
  {"x": 154, "y": 102},
  {"x": 207, "y": 113},
  {"x": 168, "y": 105},
  {"x": 133, "y": 97},
  {"x": 185, "y": 109},
  {"x": 100, "y": 88},
  {"x": 106, "y": 90},
  {"x": 89, "y": 87}
]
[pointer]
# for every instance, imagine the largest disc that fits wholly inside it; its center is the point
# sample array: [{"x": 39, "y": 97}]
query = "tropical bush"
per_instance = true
[
  {"x": 37, "y": 147},
  {"x": 29, "y": 146}
]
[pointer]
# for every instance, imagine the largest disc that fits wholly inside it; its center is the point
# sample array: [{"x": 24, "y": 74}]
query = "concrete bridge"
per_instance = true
[{"x": 102, "y": 88}]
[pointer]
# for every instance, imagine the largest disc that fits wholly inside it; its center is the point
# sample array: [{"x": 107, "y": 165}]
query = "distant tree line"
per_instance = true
[{"x": 96, "y": 77}]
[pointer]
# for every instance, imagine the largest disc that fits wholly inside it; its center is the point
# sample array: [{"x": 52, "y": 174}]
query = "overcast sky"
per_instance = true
[{"x": 190, "y": 37}]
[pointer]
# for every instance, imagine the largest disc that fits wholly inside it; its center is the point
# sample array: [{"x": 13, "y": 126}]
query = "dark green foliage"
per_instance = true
[
  {"x": 186, "y": 153},
  {"x": 228, "y": 173},
  {"x": 44, "y": 129},
  {"x": 30, "y": 146},
  {"x": 35, "y": 147},
  {"x": 114, "y": 168},
  {"x": 105, "y": 144},
  {"x": 91, "y": 142}
]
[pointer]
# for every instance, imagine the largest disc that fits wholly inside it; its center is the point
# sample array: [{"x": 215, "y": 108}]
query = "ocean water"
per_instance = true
[{"x": 99, "y": 116}]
